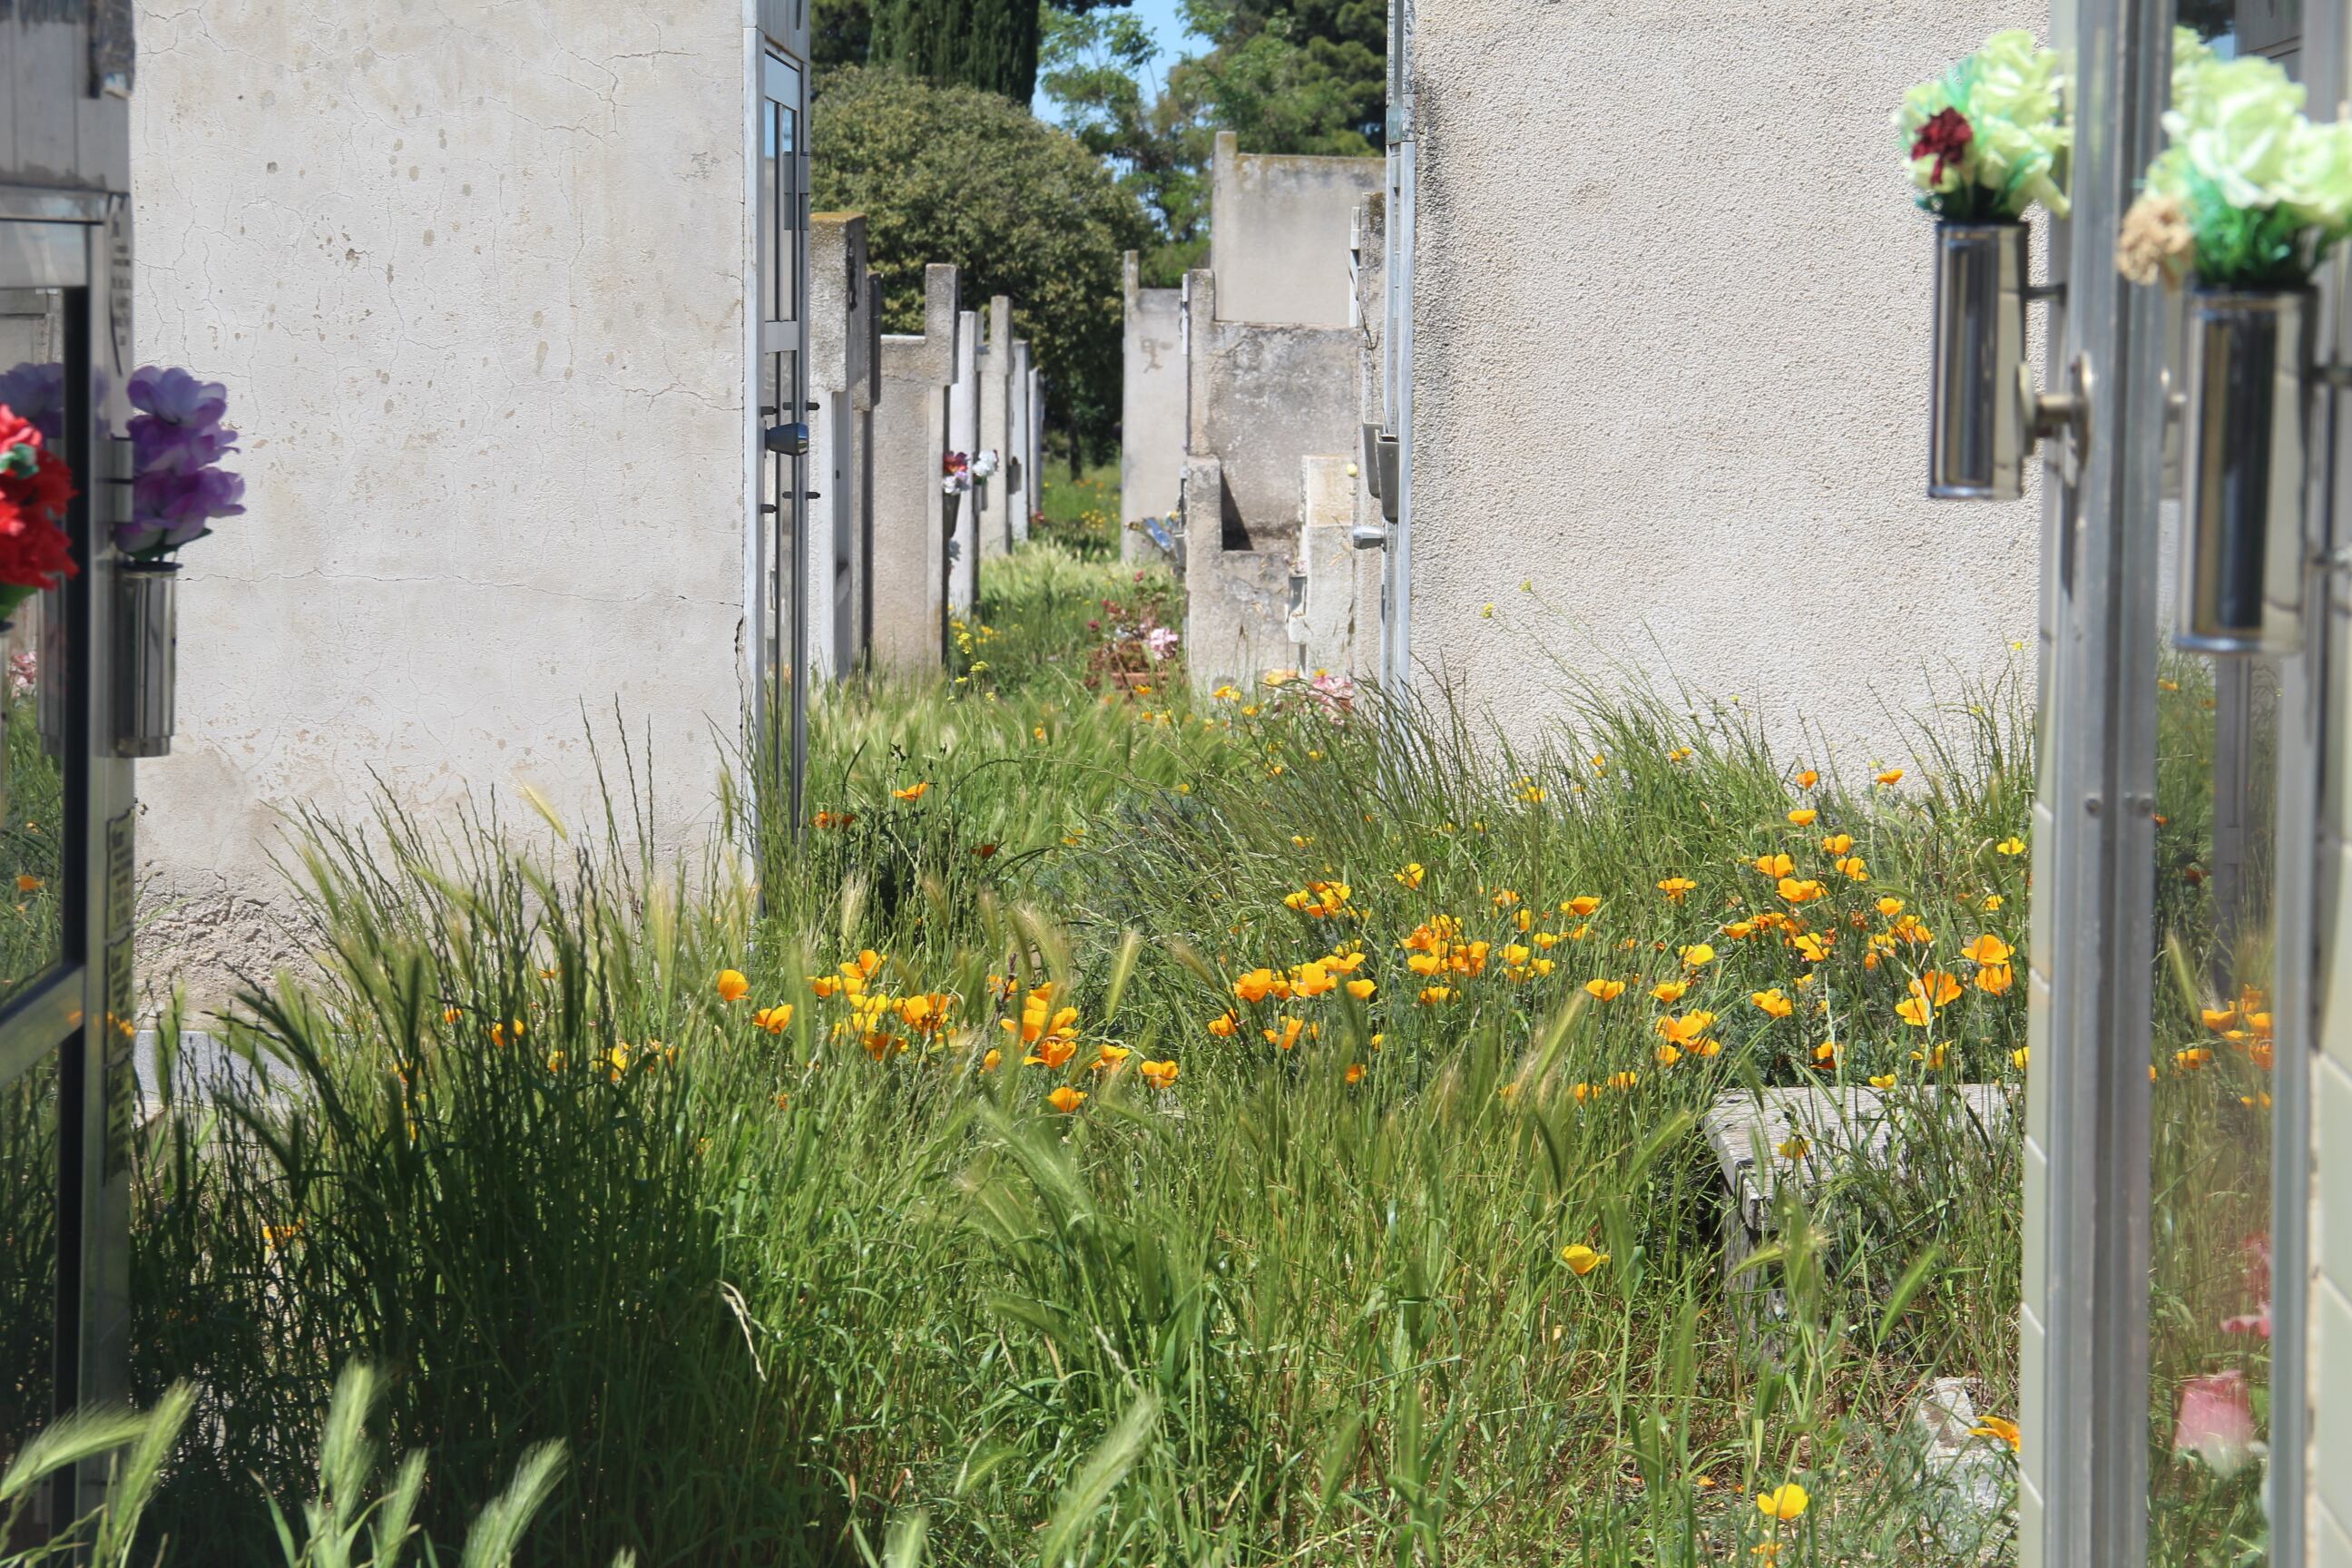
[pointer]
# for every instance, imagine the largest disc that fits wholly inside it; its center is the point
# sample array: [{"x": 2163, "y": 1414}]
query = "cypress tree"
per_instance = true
[{"x": 988, "y": 44}]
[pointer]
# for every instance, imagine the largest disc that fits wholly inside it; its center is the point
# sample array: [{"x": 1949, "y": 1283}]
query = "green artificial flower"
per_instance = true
[
  {"x": 2316, "y": 183},
  {"x": 2010, "y": 153}
]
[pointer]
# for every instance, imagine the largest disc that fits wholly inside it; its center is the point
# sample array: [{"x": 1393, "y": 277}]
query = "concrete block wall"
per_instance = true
[
  {"x": 482, "y": 323},
  {"x": 839, "y": 534},
  {"x": 1697, "y": 425},
  {"x": 1336, "y": 627},
  {"x": 914, "y": 518},
  {"x": 1151, "y": 412}
]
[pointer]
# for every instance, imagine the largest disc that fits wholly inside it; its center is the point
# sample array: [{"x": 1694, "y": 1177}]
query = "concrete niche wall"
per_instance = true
[
  {"x": 841, "y": 382},
  {"x": 1671, "y": 305},
  {"x": 913, "y": 517},
  {"x": 1151, "y": 412},
  {"x": 1262, "y": 398},
  {"x": 480, "y": 315},
  {"x": 1278, "y": 242}
]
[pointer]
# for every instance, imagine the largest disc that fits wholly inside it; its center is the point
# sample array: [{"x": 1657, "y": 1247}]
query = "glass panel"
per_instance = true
[
  {"x": 770, "y": 206},
  {"x": 2216, "y": 842},
  {"x": 29, "y": 1253},
  {"x": 32, "y": 649}
]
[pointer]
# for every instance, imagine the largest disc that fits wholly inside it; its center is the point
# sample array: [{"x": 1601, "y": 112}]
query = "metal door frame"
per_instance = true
[
  {"x": 2084, "y": 1355},
  {"x": 79, "y": 1016},
  {"x": 776, "y": 580}
]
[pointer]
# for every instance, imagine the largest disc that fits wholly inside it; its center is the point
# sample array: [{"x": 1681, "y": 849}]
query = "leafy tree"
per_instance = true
[
  {"x": 956, "y": 174},
  {"x": 1285, "y": 76},
  {"x": 1097, "y": 70},
  {"x": 1291, "y": 76}
]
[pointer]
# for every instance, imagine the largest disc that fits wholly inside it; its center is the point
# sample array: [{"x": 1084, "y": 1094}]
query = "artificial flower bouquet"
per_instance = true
[
  {"x": 1989, "y": 137},
  {"x": 35, "y": 486},
  {"x": 2250, "y": 194}
]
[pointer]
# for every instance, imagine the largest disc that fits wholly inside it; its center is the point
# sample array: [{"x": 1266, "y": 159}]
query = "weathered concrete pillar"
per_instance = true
[
  {"x": 1151, "y": 413},
  {"x": 963, "y": 436},
  {"x": 841, "y": 383},
  {"x": 1021, "y": 474},
  {"x": 1037, "y": 429},
  {"x": 914, "y": 518},
  {"x": 995, "y": 429}
]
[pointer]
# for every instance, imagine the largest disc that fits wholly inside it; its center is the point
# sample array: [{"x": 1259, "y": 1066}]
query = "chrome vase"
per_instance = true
[
  {"x": 1976, "y": 438},
  {"x": 146, "y": 657},
  {"x": 2244, "y": 431}
]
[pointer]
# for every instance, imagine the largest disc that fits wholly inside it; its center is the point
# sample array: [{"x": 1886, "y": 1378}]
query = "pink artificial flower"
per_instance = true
[
  {"x": 21, "y": 673},
  {"x": 2217, "y": 1423},
  {"x": 2257, "y": 1251}
]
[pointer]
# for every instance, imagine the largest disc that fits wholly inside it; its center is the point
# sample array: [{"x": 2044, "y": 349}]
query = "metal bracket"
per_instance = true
[
  {"x": 1364, "y": 536},
  {"x": 2333, "y": 374},
  {"x": 2062, "y": 418}
]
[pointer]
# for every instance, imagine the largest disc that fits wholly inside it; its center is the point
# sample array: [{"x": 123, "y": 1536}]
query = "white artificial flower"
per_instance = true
[{"x": 2316, "y": 183}]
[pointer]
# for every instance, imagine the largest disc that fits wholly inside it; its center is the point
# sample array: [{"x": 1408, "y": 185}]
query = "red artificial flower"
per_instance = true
[
  {"x": 1946, "y": 139},
  {"x": 35, "y": 486}
]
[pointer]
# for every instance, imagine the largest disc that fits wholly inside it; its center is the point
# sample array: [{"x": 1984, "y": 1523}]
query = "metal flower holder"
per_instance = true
[
  {"x": 145, "y": 672},
  {"x": 1976, "y": 434},
  {"x": 2244, "y": 427}
]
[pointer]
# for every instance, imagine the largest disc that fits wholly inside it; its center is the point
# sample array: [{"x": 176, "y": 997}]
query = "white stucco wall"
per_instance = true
[
  {"x": 474, "y": 277},
  {"x": 1278, "y": 233},
  {"x": 1671, "y": 305}
]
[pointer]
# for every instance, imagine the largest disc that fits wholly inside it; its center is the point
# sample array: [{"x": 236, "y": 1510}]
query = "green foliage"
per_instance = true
[
  {"x": 840, "y": 33},
  {"x": 2257, "y": 248},
  {"x": 990, "y": 45},
  {"x": 1080, "y": 513},
  {"x": 953, "y": 175}
]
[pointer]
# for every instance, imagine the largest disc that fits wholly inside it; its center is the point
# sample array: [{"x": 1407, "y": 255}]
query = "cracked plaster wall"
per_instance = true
[
  {"x": 1671, "y": 312},
  {"x": 474, "y": 277}
]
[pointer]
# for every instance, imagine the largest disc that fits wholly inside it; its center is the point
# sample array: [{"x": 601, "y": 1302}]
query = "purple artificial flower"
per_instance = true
[
  {"x": 36, "y": 392},
  {"x": 176, "y": 397},
  {"x": 176, "y": 439}
]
